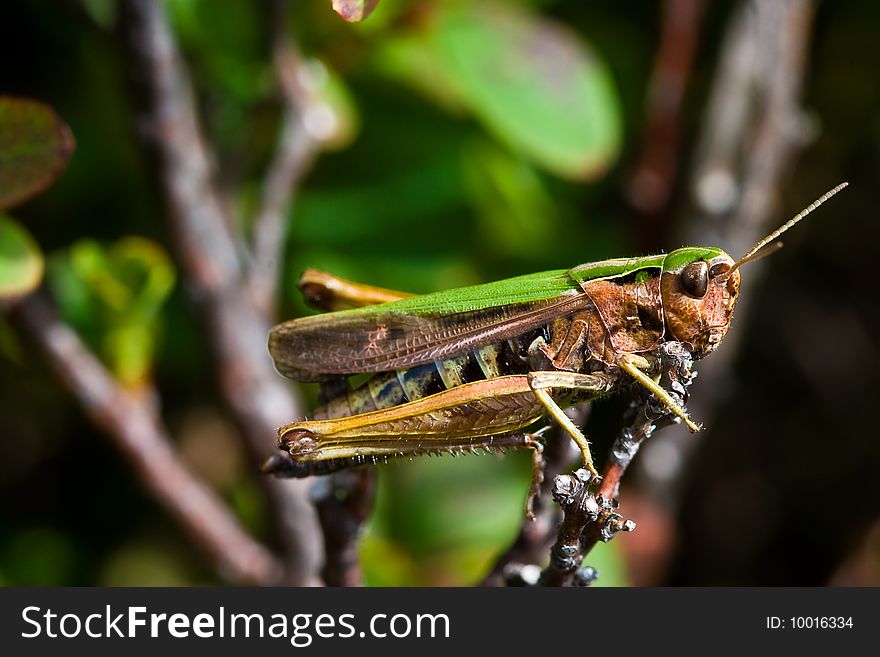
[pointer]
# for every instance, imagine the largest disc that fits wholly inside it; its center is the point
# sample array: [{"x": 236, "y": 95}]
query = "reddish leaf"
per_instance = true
[
  {"x": 354, "y": 10},
  {"x": 34, "y": 148}
]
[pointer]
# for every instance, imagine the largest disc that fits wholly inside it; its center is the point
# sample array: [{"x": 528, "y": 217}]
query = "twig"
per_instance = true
[
  {"x": 652, "y": 181},
  {"x": 752, "y": 133},
  {"x": 297, "y": 146},
  {"x": 589, "y": 507},
  {"x": 625, "y": 447},
  {"x": 257, "y": 397},
  {"x": 344, "y": 501},
  {"x": 133, "y": 426},
  {"x": 517, "y": 564}
]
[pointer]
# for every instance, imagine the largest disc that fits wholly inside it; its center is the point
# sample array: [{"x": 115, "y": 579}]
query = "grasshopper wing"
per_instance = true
[{"x": 421, "y": 329}]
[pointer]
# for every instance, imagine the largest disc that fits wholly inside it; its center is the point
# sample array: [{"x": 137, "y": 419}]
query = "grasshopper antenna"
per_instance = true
[{"x": 754, "y": 254}]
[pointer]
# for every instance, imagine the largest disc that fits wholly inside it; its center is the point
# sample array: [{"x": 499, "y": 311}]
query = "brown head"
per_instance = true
[
  {"x": 699, "y": 286},
  {"x": 699, "y": 293}
]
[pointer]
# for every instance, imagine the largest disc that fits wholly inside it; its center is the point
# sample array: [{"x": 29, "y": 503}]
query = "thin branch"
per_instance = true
[
  {"x": 590, "y": 506},
  {"x": 653, "y": 179},
  {"x": 297, "y": 146},
  {"x": 208, "y": 254},
  {"x": 134, "y": 428},
  {"x": 343, "y": 505},
  {"x": 516, "y": 566},
  {"x": 752, "y": 134}
]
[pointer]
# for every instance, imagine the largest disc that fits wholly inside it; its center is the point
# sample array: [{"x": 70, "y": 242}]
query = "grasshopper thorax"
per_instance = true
[{"x": 698, "y": 293}]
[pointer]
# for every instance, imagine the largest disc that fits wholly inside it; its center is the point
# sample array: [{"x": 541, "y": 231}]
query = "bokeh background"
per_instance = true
[{"x": 463, "y": 143}]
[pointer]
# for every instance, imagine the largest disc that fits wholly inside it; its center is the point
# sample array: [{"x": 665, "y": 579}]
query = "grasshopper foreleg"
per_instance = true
[{"x": 635, "y": 366}]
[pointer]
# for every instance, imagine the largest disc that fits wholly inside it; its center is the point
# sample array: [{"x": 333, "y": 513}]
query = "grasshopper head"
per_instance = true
[
  {"x": 699, "y": 285},
  {"x": 699, "y": 292}
]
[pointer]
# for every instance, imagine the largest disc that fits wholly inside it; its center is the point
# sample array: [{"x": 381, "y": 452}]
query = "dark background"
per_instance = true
[{"x": 781, "y": 488}]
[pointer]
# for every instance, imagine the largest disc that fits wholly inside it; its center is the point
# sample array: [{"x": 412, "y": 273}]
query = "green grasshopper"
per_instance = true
[{"x": 474, "y": 367}]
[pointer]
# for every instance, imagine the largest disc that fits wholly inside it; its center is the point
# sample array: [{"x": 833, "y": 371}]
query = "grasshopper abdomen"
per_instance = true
[{"x": 389, "y": 389}]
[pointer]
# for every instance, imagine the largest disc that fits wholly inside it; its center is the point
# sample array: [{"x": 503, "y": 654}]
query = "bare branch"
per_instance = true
[
  {"x": 136, "y": 430},
  {"x": 257, "y": 397},
  {"x": 651, "y": 184},
  {"x": 344, "y": 503},
  {"x": 297, "y": 146},
  {"x": 168, "y": 122},
  {"x": 536, "y": 537},
  {"x": 589, "y": 506}
]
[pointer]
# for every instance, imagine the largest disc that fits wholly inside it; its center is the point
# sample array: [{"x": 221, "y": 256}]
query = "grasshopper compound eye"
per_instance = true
[{"x": 695, "y": 279}]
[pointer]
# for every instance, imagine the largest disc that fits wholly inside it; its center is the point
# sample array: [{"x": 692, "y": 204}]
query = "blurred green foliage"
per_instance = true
[
  {"x": 531, "y": 82},
  {"x": 113, "y": 297}
]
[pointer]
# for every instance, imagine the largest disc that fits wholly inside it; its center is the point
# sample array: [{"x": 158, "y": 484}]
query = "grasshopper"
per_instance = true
[{"x": 475, "y": 367}]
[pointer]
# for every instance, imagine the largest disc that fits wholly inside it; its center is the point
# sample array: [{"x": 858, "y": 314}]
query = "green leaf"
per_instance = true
[
  {"x": 354, "y": 11},
  {"x": 114, "y": 296},
  {"x": 410, "y": 57},
  {"x": 21, "y": 261},
  {"x": 132, "y": 278},
  {"x": 34, "y": 148},
  {"x": 531, "y": 82}
]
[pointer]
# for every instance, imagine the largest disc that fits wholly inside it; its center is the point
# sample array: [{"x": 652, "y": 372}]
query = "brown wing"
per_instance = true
[{"x": 404, "y": 334}]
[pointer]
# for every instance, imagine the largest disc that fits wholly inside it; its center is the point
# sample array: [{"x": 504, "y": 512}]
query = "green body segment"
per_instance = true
[
  {"x": 677, "y": 259},
  {"x": 520, "y": 289},
  {"x": 614, "y": 268}
]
